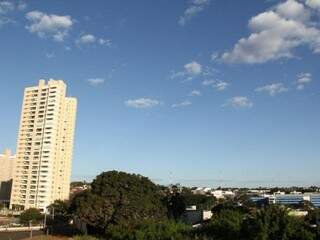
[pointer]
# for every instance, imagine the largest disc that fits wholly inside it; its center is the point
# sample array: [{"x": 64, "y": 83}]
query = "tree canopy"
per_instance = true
[
  {"x": 32, "y": 215},
  {"x": 118, "y": 198},
  {"x": 59, "y": 207}
]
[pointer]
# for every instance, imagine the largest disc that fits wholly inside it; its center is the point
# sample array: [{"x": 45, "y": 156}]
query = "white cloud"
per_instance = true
[
  {"x": 194, "y": 8},
  {"x": 195, "y": 93},
  {"x": 303, "y": 79},
  {"x": 272, "y": 89},
  {"x": 190, "y": 71},
  {"x": 86, "y": 39},
  {"x": 91, "y": 39},
  {"x": 96, "y": 81},
  {"x": 221, "y": 85},
  {"x": 275, "y": 34},
  {"x": 142, "y": 103},
  {"x": 193, "y": 68},
  {"x": 216, "y": 84},
  {"x": 208, "y": 82},
  {"x": 238, "y": 102},
  {"x": 182, "y": 104},
  {"x": 315, "y": 4},
  {"x": 49, "y": 26},
  {"x": 292, "y": 9},
  {"x": 106, "y": 42}
]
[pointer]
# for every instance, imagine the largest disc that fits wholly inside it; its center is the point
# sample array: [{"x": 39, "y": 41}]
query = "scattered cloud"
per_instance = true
[
  {"x": 6, "y": 6},
  {"x": 272, "y": 89},
  {"x": 106, "y": 42},
  {"x": 208, "y": 82},
  {"x": 194, "y": 8},
  {"x": 86, "y": 39},
  {"x": 214, "y": 56},
  {"x": 195, "y": 93},
  {"x": 96, "y": 81},
  {"x": 216, "y": 84},
  {"x": 50, "y": 55},
  {"x": 49, "y": 25},
  {"x": 303, "y": 79},
  {"x": 22, "y": 6},
  {"x": 276, "y": 33},
  {"x": 191, "y": 70},
  {"x": 142, "y": 103},
  {"x": 221, "y": 85},
  {"x": 238, "y": 102},
  {"x": 182, "y": 104},
  {"x": 209, "y": 71},
  {"x": 91, "y": 39}
]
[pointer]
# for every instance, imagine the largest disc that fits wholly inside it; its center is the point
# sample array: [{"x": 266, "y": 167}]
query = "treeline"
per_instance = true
[{"x": 121, "y": 206}]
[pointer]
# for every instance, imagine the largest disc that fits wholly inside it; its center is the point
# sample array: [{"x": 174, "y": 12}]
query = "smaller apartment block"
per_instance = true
[{"x": 6, "y": 169}]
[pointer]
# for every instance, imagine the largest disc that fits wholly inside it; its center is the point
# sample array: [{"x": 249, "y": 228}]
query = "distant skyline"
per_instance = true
[{"x": 201, "y": 92}]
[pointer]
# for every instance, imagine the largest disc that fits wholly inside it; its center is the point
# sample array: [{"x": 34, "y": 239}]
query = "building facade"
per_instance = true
[
  {"x": 6, "y": 169},
  {"x": 45, "y": 144},
  {"x": 288, "y": 199}
]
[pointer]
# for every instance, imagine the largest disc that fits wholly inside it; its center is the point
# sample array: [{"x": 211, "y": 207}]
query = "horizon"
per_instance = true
[{"x": 199, "y": 92}]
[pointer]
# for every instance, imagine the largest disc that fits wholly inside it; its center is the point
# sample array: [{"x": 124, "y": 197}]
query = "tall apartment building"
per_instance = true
[
  {"x": 45, "y": 144},
  {"x": 6, "y": 169}
]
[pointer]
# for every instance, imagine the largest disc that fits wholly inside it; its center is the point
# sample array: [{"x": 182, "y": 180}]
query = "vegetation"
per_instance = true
[
  {"x": 32, "y": 215},
  {"x": 118, "y": 198},
  {"x": 164, "y": 230},
  {"x": 122, "y": 206},
  {"x": 59, "y": 208},
  {"x": 177, "y": 201}
]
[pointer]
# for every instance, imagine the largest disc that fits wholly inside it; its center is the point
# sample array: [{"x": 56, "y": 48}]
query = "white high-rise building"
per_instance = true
[{"x": 45, "y": 144}]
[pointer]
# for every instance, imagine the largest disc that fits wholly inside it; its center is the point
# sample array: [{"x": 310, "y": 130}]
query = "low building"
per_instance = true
[
  {"x": 6, "y": 170},
  {"x": 194, "y": 216},
  {"x": 289, "y": 199},
  {"x": 220, "y": 194}
]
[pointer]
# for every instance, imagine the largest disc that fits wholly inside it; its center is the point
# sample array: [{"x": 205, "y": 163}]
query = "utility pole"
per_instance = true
[
  {"x": 45, "y": 219},
  {"x": 30, "y": 226}
]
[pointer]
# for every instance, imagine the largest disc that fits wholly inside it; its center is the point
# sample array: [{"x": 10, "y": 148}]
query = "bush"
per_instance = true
[
  {"x": 166, "y": 230},
  {"x": 32, "y": 215}
]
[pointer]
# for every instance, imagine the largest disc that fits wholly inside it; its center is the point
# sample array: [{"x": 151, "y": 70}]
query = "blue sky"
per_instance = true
[{"x": 201, "y": 92}]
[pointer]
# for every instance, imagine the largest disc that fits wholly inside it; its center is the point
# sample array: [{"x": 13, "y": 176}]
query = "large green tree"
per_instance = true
[
  {"x": 59, "y": 207},
  {"x": 118, "y": 198},
  {"x": 32, "y": 215}
]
